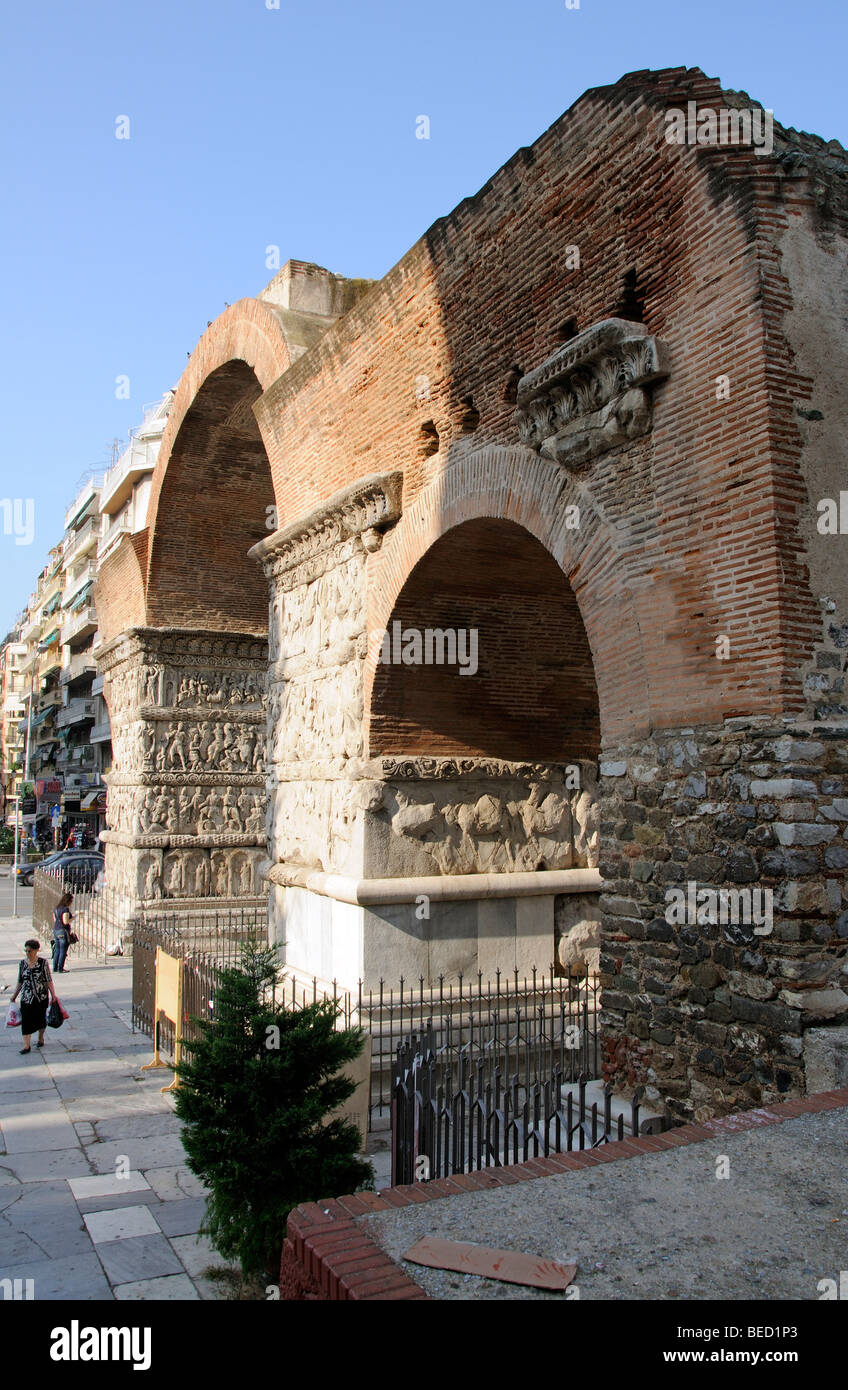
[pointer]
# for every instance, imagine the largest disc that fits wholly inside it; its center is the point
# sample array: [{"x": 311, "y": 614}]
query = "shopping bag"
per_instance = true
[
  {"x": 55, "y": 1015},
  {"x": 13, "y": 1017}
]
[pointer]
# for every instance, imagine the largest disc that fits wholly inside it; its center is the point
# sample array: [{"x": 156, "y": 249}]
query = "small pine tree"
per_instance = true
[{"x": 254, "y": 1098}]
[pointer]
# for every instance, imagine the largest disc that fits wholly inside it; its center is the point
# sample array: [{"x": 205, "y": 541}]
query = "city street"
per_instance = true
[{"x": 96, "y": 1201}]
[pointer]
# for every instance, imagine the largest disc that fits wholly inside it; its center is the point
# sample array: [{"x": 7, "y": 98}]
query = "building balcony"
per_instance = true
[
  {"x": 101, "y": 733},
  {"x": 88, "y": 489},
  {"x": 79, "y": 666},
  {"x": 75, "y": 583},
  {"x": 81, "y": 625},
  {"x": 81, "y": 541},
  {"x": 81, "y": 757},
  {"x": 97, "y": 685},
  {"x": 75, "y": 712},
  {"x": 31, "y": 660}
]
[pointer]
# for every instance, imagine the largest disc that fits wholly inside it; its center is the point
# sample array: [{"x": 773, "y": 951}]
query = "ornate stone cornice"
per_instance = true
[
  {"x": 190, "y": 647},
  {"x": 363, "y": 510},
  {"x": 590, "y": 395}
]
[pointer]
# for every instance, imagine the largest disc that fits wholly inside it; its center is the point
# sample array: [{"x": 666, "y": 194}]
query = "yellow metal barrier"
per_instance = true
[{"x": 167, "y": 999}]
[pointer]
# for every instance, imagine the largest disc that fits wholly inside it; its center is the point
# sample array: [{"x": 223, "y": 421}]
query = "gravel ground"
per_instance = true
[{"x": 661, "y": 1226}]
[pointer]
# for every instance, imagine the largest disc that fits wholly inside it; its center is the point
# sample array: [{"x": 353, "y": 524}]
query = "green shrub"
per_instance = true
[{"x": 255, "y": 1095}]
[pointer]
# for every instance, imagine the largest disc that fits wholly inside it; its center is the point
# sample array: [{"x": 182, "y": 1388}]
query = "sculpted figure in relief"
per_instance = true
[
  {"x": 153, "y": 880},
  {"x": 179, "y": 748}
]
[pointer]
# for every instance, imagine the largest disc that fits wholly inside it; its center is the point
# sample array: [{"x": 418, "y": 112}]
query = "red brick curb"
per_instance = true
[{"x": 327, "y": 1255}]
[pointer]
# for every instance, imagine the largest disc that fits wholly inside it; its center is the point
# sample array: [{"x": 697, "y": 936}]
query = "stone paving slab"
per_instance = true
[
  {"x": 74, "y": 1278},
  {"x": 121, "y": 1223},
  {"x": 115, "y": 1202},
  {"x": 143, "y": 1257},
  {"x": 30, "y": 1126},
  {"x": 196, "y": 1253},
  {"x": 68, "y": 1114},
  {"x": 173, "y": 1286},
  {"x": 148, "y": 1125},
  {"x": 46, "y": 1167},
  {"x": 160, "y": 1152},
  {"x": 172, "y": 1184},
  {"x": 181, "y": 1218},
  {"x": 108, "y": 1185}
]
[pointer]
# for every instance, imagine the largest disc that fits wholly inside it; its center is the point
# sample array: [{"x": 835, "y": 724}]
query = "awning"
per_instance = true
[
  {"x": 45, "y": 714},
  {"x": 94, "y": 801},
  {"x": 48, "y": 641},
  {"x": 82, "y": 597},
  {"x": 52, "y": 604}
]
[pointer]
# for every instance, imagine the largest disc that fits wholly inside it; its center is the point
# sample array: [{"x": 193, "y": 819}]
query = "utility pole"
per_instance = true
[{"x": 17, "y": 801}]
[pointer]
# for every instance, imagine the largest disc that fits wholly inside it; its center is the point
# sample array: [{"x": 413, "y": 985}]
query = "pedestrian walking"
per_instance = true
[
  {"x": 35, "y": 986},
  {"x": 61, "y": 931}
]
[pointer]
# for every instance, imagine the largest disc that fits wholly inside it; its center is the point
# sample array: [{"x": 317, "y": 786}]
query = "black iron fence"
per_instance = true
[
  {"x": 102, "y": 920},
  {"x": 448, "y": 1119},
  {"x": 521, "y": 1024}
]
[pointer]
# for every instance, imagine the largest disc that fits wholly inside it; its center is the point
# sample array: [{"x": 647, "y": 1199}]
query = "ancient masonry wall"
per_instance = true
[{"x": 710, "y": 1016}]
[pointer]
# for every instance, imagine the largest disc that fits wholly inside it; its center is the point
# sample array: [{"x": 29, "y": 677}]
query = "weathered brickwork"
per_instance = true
[{"x": 592, "y": 415}]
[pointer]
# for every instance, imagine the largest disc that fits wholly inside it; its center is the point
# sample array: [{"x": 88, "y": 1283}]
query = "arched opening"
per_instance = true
[
  {"x": 531, "y": 693},
  {"x": 214, "y": 504}
]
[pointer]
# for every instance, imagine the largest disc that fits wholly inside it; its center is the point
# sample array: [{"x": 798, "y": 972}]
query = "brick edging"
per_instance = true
[{"x": 328, "y": 1256}]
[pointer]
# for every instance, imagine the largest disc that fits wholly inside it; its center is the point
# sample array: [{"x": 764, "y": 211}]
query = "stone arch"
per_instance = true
[
  {"x": 503, "y": 667},
  {"x": 212, "y": 486},
  {"x": 516, "y": 485}
]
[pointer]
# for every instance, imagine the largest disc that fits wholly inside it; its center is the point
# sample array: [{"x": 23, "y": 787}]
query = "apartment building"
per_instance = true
[
  {"x": 124, "y": 496},
  {"x": 12, "y": 652},
  {"x": 56, "y": 735},
  {"x": 78, "y": 758}
]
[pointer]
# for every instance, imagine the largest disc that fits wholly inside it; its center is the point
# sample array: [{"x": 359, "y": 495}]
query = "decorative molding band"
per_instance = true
[
  {"x": 192, "y": 778},
  {"x": 379, "y": 892},
  {"x": 226, "y": 714},
  {"x": 590, "y": 395},
  {"x": 365, "y": 509},
  {"x": 426, "y": 769},
  {"x": 235, "y": 840},
  {"x": 195, "y": 905}
]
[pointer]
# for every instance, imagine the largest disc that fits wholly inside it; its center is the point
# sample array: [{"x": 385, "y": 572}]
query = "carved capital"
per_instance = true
[
  {"x": 362, "y": 511},
  {"x": 591, "y": 395}
]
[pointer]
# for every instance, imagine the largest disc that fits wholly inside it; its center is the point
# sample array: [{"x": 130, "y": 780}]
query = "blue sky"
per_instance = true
[{"x": 295, "y": 126}]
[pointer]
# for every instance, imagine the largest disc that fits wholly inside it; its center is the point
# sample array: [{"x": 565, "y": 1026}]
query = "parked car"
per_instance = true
[
  {"x": 27, "y": 869},
  {"x": 79, "y": 868}
]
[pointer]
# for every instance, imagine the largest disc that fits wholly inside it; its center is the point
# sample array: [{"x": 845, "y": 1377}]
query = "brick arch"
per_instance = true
[
  {"x": 517, "y": 485},
  {"x": 212, "y": 483}
]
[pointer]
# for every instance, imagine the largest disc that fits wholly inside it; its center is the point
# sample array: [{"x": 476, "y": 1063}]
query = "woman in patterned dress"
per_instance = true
[{"x": 35, "y": 986}]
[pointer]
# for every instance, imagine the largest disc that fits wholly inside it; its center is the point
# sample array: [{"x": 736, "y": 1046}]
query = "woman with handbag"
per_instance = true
[
  {"x": 35, "y": 986},
  {"x": 61, "y": 931}
]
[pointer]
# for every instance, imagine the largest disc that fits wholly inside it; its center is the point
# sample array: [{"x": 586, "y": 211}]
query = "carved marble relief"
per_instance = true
[
  {"x": 592, "y": 394},
  {"x": 438, "y": 816},
  {"x": 187, "y": 801},
  {"x": 491, "y": 819}
]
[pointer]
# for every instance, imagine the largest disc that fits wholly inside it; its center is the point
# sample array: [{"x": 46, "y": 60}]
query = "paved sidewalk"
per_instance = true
[{"x": 96, "y": 1201}]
